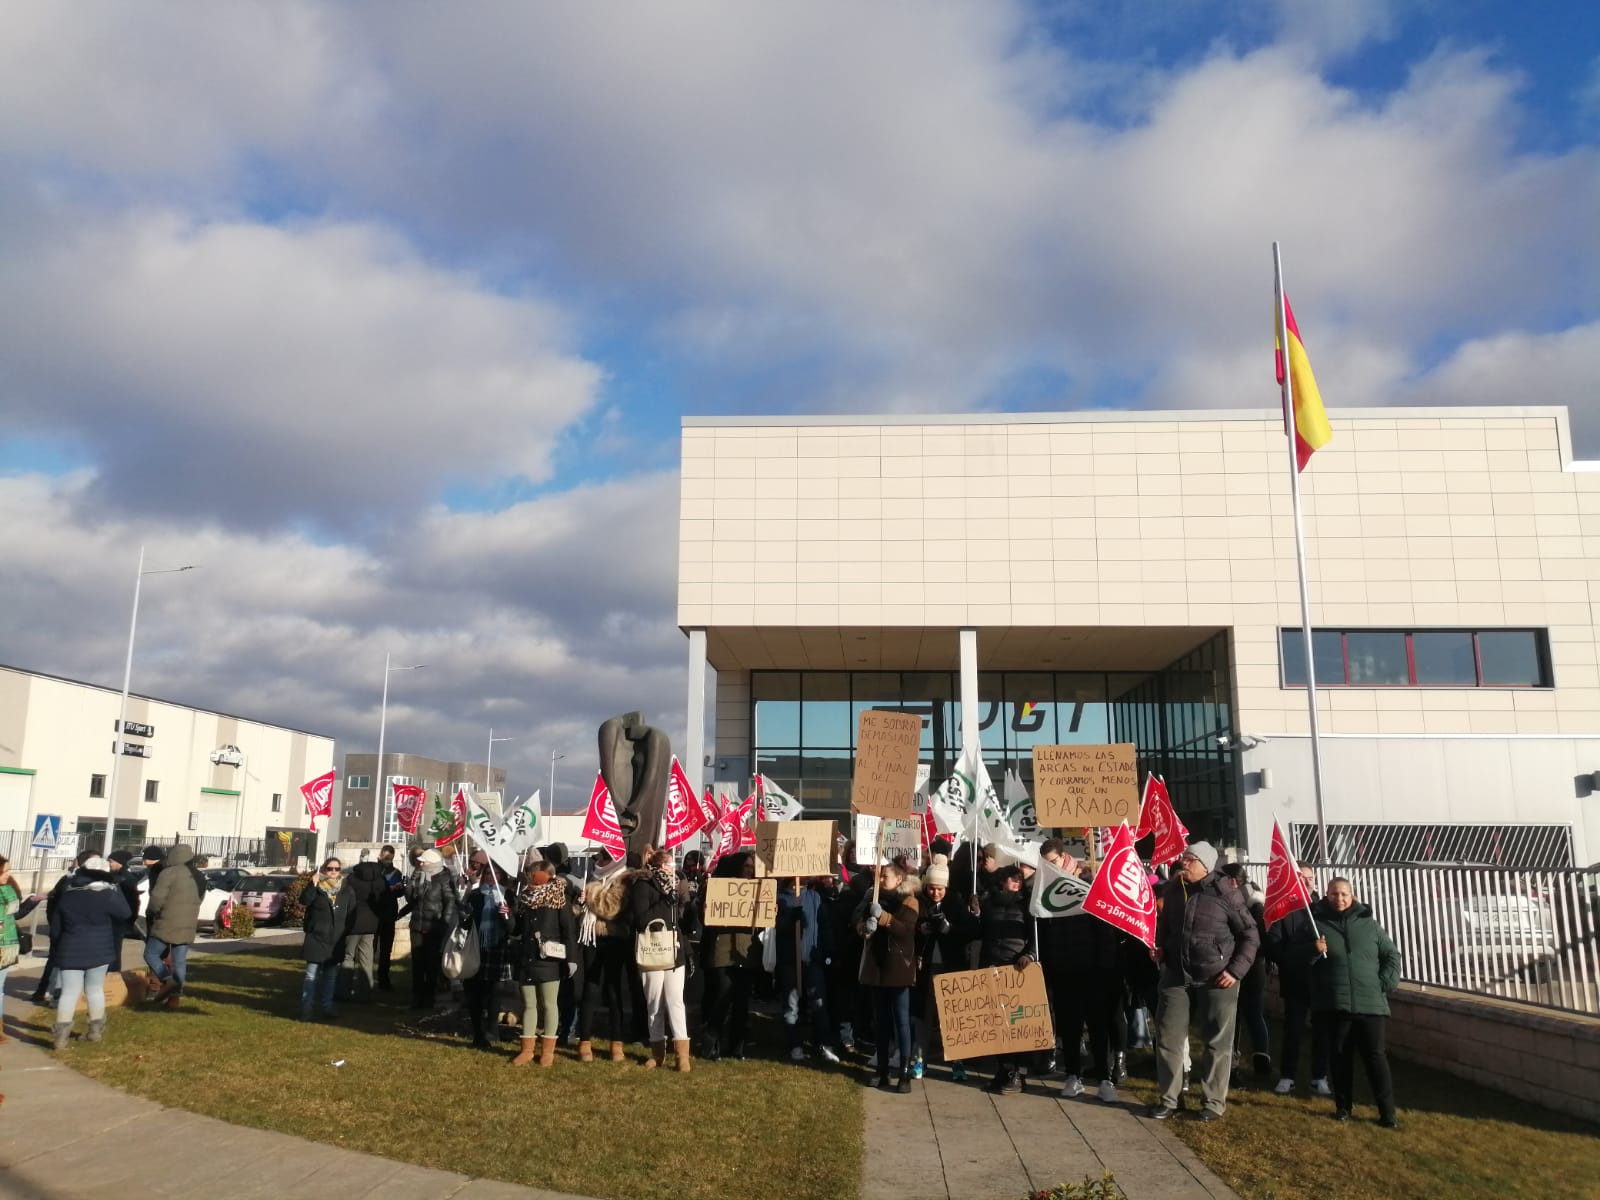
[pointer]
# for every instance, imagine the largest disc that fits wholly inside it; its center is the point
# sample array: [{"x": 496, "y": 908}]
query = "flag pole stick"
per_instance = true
[{"x": 1290, "y": 427}]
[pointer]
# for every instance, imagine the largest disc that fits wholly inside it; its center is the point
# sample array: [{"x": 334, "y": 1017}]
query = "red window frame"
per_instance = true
[{"x": 1541, "y": 648}]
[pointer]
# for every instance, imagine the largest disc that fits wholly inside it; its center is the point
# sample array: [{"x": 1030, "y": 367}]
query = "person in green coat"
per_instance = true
[{"x": 1358, "y": 968}]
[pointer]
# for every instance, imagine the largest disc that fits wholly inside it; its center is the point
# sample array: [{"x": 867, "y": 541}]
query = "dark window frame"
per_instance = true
[
  {"x": 1541, "y": 649},
  {"x": 152, "y": 791},
  {"x": 97, "y": 787}
]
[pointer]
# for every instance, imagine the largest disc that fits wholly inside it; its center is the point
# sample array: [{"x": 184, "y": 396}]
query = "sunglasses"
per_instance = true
[{"x": 332, "y": 870}]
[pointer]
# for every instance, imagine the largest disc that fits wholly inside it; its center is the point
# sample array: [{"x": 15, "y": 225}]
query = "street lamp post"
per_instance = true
[
  {"x": 553, "y": 757},
  {"x": 122, "y": 711},
  {"x": 381, "y": 793},
  {"x": 488, "y": 760}
]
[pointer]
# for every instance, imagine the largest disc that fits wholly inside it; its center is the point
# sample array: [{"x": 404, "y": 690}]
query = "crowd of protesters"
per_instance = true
[{"x": 848, "y": 967}]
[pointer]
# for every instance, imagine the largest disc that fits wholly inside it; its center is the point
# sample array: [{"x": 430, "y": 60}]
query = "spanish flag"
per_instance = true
[{"x": 1311, "y": 429}]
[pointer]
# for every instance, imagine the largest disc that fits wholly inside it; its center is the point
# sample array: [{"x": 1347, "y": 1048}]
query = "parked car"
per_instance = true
[
  {"x": 216, "y": 896},
  {"x": 225, "y": 879},
  {"x": 264, "y": 896}
]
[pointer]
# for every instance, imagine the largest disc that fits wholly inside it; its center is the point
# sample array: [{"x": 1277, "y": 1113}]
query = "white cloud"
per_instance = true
[{"x": 261, "y": 373}]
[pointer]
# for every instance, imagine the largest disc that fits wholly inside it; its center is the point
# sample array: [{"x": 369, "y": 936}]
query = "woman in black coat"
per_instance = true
[
  {"x": 326, "y": 923},
  {"x": 1006, "y": 942},
  {"x": 85, "y": 939},
  {"x": 545, "y": 946},
  {"x": 659, "y": 900}
]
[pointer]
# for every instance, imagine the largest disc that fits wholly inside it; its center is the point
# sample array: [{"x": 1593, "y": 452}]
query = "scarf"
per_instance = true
[
  {"x": 662, "y": 878},
  {"x": 329, "y": 887},
  {"x": 546, "y": 895}
]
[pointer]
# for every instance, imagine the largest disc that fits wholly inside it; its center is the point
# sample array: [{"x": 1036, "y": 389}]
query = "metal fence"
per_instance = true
[
  {"x": 17, "y": 845},
  {"x": 1529, "y": 935}
]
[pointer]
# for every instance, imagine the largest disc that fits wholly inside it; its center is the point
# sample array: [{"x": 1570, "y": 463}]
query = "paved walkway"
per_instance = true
[{"x": 958, "y": 1141}]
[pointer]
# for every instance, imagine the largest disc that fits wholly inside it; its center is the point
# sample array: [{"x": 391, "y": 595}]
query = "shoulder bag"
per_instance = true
[
  {"x": 655, "y": 947},
  {"x": 460, "y": 957}
]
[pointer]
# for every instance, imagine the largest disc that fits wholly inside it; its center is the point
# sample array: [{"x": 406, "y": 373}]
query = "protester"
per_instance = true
[
  {"x": 1286, "y": 945},
  {"x": 851, "y": 1004},
  {"x": 1351, "y": 981},
  {"x": 730, "y": 957},
  {"x": 394, "y": 882},
  {"x": 327, "y": 922},
  {"x": 173, "y": 916},
  {"x": 13, "y": 908},
  {"x": 85, "y": 928},
  {"x": 656, "y": 896},
  {"x": 804, "y": 954},
  {"x": 369, "y": 897},
  {"x": 1083, "y": 972},
  {"x": 1206, "y": 941},
  {"x": 435, "y": 912},
  {"x": 50, "y": 977},
  {"x": 486, "y": 908},
  {"x": 118, "y": 861},
  {"x": 947, "y": 940},
  {"x": 606, "y": 937},
  {"x": 1253, "y": 987},
  {"x": 1006, "y": 942},
  {"x": 546, "y": 951},
  {"x": 889, "y": 927}
]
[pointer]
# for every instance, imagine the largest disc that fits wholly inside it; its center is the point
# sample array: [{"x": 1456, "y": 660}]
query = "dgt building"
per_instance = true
[{"x": 1093, "y": 577}]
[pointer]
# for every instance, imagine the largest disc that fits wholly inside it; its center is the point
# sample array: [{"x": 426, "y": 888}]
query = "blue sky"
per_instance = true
[{"x": 390, "y": 316}]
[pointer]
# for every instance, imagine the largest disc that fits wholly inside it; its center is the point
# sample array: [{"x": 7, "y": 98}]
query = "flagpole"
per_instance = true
[{"x": 1300, "y": 551}]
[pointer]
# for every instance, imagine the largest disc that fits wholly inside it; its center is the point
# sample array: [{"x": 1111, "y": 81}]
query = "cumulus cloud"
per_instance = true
[{"x": 260, "y": 373}]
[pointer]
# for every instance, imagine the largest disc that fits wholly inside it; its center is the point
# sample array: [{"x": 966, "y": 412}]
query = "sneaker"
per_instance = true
[
  {"x": 1319, "y": 1087},
  {"x": 798, "y": 1054},
  {"x": 828, "y": 1055},
  {"x": 1341, "y": 1115},
  {"x": 1071, "y": 1086},
  {"x": 1108, "y": 1092},
  {"x": 1208, "y": 1115},
  {"x": 1160, "y": 1112},
  {"x": 1389, "y": 1122},
  {"x": 1011, "y": 1084},
  {"x": 1285, "y": 1086}
]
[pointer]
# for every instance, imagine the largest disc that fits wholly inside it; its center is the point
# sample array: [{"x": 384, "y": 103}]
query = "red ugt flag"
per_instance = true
[
  {"x": 1286, "y": 891},
  {"x": 600, "y": 822},
  {"x": 319, "y": 797},
  {"x": 408, "y": 798},
  {"x": 684, "y": 818},
  {"x": 1157, "y": 816},
  {"x": 1120, "y": 894}
]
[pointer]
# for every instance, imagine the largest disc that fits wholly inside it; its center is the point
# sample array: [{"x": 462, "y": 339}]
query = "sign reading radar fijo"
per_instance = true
[
  {"x": 1075, "y": 787},
  {"x": 994, "y": 1010},
  {"x": 888, "y": 744}
]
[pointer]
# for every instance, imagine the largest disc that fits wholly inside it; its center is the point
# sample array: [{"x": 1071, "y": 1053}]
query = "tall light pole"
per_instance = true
[
  {"x": 553, "y": 757},
  {"x": 383, "y": 718},
  {"x": 488, "y": 760},
  {"x": 122, "y": 712}
]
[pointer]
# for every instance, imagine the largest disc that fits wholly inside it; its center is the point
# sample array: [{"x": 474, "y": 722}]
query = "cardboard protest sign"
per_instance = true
[
  {"x": 879, "y": 840},
  {"x": 887, "y": 747},
  {"x": 994, "y": 1010},
  {"x": 1075, "y": 787},
  {"x": 742, "y": 903},
  {"x": 794, "y": 847}
]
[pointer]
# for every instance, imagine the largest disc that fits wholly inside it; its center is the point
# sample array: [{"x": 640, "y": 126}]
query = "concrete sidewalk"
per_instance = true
[
  {"x": 958, "y": 1141},
  {"x": 65, "y": 1137}
]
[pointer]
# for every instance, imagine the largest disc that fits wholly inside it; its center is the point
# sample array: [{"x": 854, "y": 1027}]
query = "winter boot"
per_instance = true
[
  {"x": 547, "y": 1052},
  {"x": 681, "y": 1045},
  {"x": 63, "y": 1034},
  {"x": 586, "y": 1051},
  {"x": 619, "y": 1052},
  {"x": 97, "y": 1030},
  {"x": 526, "y": 1057},
  {"x": 904, "y": 1086},
  {"x": 658, "y": 1053},
  {"x": 710, "y": 1046}
]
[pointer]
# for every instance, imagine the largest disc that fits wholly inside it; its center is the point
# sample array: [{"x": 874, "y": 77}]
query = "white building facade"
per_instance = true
[
  {"x": 1131, "y": 576},
  {"x": 56, "y": 743}
]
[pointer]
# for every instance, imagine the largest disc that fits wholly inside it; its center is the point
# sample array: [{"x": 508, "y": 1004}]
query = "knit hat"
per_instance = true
[
  {"x": 938, "y": 872},
  {"x": 122, "y": 857},
  {"x": 95, "y": 863},
  {"x": 154, "y": 853},
  {"x": 1205, "y": 852}
]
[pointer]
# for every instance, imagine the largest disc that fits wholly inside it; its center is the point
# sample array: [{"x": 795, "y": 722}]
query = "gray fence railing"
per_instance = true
[
  {"x": 17, "y": 845},
  {"x": 1529, "y": 935}
]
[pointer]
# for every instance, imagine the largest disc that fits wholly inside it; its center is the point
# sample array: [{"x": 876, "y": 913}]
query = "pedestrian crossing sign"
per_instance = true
[{"x": 46, "y": 832}]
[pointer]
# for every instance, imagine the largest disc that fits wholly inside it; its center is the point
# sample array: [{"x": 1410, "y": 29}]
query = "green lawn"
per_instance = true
[
  {"x": 235, "y": 1051},
  {"x": 1456, "y": 1141}
]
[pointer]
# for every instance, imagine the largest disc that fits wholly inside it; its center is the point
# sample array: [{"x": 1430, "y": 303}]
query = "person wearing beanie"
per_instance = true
[
  {"x": 85, "y": 929},
  {"x": 173, "y": 916},
  {"x": 1006, "y": 942},
  {"x": 119, "y": 860},
  {"x": 947, "y": 940},
  {"x": 435, "y": 911},
  {"x": 1206, "y": 942}
]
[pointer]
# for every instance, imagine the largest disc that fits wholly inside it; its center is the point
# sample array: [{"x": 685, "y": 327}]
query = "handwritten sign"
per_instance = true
[
  {"x": 794, "y": 847},
  {"x": 877, "y": 837},
  {"x": 887, "y": 747},
  {"x": 994, "y": 1010},
  {"x": 1075, "y": 787},
  {"x": 742, "y": 903}
]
